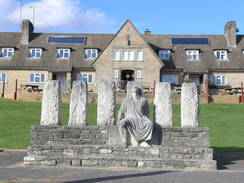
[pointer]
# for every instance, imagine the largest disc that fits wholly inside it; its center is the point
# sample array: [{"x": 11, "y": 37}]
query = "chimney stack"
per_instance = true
[
  {"x": 230, "y": 33},
  {"x": 27, "y": 30},
  {"x": 147, "y": 32}
]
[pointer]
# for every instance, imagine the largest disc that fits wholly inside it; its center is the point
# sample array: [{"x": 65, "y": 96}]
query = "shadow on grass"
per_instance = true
[
  {"x": 226, "y": 156},
  {"x": 118, "y": 177}
]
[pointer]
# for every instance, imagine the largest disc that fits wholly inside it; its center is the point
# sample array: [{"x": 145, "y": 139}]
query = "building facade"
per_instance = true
[{"x": 31, "y": 58}]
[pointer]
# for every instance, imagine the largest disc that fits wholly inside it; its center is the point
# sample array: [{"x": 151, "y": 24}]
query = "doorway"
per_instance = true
[
  {"x": 127, "y": 75},
  {"x": 61, "y": 77}
]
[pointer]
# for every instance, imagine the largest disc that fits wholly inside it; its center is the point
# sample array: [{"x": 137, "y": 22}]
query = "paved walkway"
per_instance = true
[{"x": 12, "y": 170}]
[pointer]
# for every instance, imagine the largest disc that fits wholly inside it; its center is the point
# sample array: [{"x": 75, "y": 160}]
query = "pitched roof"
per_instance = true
[
  {"x": 49, "y": 56},
  {"x": 207, "y": 60}
]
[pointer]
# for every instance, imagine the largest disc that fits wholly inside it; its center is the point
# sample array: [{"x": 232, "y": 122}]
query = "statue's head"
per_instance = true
[{"x": 136, "y": 92}]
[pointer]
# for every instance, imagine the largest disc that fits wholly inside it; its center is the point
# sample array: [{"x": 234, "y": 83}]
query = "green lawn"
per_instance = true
[{"x": 226, "y": 123}]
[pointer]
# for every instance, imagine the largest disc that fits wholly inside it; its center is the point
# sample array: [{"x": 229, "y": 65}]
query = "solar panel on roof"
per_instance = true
[
  {"x": 66, "y": 40},
  {"x": 189, "y": 41}
]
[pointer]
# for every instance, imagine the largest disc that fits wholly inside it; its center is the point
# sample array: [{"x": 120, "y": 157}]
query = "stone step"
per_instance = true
[
  {"x": 135, "y": 152},
  {"x": 111, "y": 161}
]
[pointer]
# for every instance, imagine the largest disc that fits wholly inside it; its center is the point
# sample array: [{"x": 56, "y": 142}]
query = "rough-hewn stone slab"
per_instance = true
[
  {"x": 189, "y": 105},
  {"x": 78, "y": 104},
  {"x": 131, "y": 85},
  {"x": 163, "y": 105},
  {"x": 105, "y": 103},
  {"x": 51, "y": 102}
]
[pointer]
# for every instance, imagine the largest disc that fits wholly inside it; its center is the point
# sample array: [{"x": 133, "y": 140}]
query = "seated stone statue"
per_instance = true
[{"x": 133, "y": 119}]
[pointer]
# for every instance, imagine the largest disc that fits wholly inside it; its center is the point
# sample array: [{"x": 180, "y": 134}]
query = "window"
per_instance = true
[
  {"x": 116, "y": 55},
  {"x": 243, "y": 52},
  {"x": 116, "y": 74},
  {"x": 37, "y": 78},
  {"x": 90, "y": 53},
  {"x": 164, "y": 54},
  {"x": 221, "y": 55},
  {"x": 138, "y": 75},
  {"x": 128, "y": 55},
  {"x": 125, "y": 55},
  {"x": 63, "y": 53},
  {"x": 192, "y": 55},
  {"x": 170, "y": 78},
  {"x": 218, "y": 80},
  {"x": 139, "y": 55},
  {"x": 85, "y": 77},
  {"x": 35, "y": 52},
  {"x": 7, "y": 52},
  {"x": 3, "y": 77}
]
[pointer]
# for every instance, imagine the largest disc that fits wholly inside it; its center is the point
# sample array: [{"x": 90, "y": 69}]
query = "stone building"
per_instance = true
[{"x": 127, "y": 55}]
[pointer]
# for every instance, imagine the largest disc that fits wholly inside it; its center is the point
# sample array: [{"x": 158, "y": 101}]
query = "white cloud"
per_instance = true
[{"x": 56, "y": 16}]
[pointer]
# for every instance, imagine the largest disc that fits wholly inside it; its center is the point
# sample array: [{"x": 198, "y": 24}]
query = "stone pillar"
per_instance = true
[
  {"x": 131, "y": 85},
  {"x": 69, "y": 80},
  {"x": 51, "y": 102},
  {"x": 78, "y": 104},
  {"x": 163, "y": 105},
  {"x": 105, "y": 103},
  {"x": 189, "y": 105}
]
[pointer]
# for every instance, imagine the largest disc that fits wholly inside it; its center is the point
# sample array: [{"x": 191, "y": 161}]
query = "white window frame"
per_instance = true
[
  {"x": 125, "y": 55},
  {"x": 139, "y": 55},
  {"x": 221, "y": 55},
  {"x": 164, "y": 54},
  {"x": 65, "y": 51},
  {"x": 1, "y": 77},
  {"x": 91, "y": 54},
  {"x": 170, "y": 78},
  {"x": 35, "y": 76},
  {"x": 81, "y": 77},
  {"x": 116, "y": 74},
  {"x": 192, "y": 55},
  {"x": 219, "y": 80},
  {"x": 116, "y": 55},
  {"x": 139, "y": 74},
  {"x": 9, "y": 51},
  {"x": 36, "y": 51}
]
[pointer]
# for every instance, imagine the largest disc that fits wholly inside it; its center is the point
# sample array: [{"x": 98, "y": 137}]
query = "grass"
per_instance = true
[{"x": 226, "y": 123}]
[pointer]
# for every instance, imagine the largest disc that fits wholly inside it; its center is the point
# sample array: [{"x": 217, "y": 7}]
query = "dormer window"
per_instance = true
[
  {"x": 63, "y": 53},
  {"x": 221, "y": 55},
  {"x": 35, "y": 52},
  {"x": 91, "y": 54},
  {"x": 192, "y": 55},
  {"x": 7, "y": 52},
  {"x": 164, "y": 54}
]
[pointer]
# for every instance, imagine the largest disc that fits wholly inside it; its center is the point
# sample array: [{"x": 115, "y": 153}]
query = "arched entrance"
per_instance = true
[{"x": 126, "y": 75}]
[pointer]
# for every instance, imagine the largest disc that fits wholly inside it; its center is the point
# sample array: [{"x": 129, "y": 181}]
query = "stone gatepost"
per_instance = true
[
  {"x": 131, "y": 85},
  {"x": 189, "y": 105},
  {"x": 105, "y": 103},
  {"x": 78, "y": 104},
  {"x": 163, "y": 105},
  {"x": 51, "y": 102}
]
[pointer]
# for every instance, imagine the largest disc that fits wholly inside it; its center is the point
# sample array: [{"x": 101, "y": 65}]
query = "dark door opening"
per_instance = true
[{"x": 127, "y": 75}]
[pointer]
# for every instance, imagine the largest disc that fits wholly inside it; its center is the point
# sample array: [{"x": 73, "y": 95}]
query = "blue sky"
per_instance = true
[{"x": 106, "y": 16}]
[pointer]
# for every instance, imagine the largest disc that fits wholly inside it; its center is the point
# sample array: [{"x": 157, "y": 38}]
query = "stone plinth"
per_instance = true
[
  {"x": 189, "y": 105},
  {"x": 78, "y": 104},
  {"x": 92, "y": 146},
  {"x": 51, "y": 102},
  {"x": 163, "y": 105},
  {"x": 105, "y": 103}
]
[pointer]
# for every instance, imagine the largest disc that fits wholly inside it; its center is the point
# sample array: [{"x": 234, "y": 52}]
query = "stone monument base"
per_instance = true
[{"x": 181, "y": 148}]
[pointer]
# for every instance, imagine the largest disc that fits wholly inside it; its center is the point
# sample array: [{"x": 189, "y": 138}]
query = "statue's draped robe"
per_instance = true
[{"x": 136, "y": 118}]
